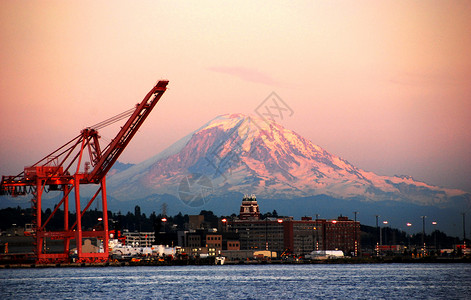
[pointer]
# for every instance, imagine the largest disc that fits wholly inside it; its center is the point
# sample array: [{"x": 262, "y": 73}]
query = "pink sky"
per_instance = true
[{"x": 384, "y": 84}]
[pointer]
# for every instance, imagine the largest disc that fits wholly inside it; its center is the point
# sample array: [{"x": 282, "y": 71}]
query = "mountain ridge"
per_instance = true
[{"x": 247, "y": 154}]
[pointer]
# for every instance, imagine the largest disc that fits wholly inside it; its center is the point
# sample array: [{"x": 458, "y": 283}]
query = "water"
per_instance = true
[{"x": 375, "y": 281}]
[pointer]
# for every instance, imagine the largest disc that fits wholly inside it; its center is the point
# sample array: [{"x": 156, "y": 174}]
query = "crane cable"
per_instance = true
[{"x": 114, "y": 119}]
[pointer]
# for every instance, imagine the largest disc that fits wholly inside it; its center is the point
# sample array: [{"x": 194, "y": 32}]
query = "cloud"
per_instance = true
[{"x": 246, "y": 74}]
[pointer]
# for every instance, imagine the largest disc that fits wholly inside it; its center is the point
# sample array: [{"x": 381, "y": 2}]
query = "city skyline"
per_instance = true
[{"x": 383, "y": 85}]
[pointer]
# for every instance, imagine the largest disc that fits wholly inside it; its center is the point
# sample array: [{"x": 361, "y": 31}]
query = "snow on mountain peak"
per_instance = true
[{"x": 247, "y": 153}]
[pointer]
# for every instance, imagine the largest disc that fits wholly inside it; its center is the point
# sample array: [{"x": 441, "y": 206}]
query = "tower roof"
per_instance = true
[{"x": 249, "y": 209}]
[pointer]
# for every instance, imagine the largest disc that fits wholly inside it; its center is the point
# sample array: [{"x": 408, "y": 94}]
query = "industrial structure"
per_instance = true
[{"x": 80, "y": 161}]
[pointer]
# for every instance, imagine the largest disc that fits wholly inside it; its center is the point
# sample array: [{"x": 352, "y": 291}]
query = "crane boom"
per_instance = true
[
  {"x": 111, "y": 153},
  {"x": 62, "y": 171}
]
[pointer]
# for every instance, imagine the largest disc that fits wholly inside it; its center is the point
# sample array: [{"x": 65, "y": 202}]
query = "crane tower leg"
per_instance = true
[
  {"x": 66, "y": 219},
  {"x": 78, "y": 212},
  {"x": 105, "y": 217},
  {"x": 37, "y": 208}
]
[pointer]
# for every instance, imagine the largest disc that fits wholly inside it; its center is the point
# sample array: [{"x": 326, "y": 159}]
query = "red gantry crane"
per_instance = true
[{"x": 62, "y": 170}]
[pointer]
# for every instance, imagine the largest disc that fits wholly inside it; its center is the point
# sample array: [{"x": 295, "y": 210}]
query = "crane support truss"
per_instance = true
[{"x": 63, "y": 171}]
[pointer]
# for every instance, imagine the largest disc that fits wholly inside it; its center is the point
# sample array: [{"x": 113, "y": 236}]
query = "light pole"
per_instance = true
[
  {"x": 423, "y": 233},
  {"x": 98, "y": 227},
  {"x": 224, "y": 222},
  {"x": 280, "y": 221},
  {"x": 164, "y": 221},
  {"x": 435, "y": 233},
  {"x": 385, "y": 232},
  {"x": 409, "y": 234},
  {"x": 378, "y": 241}
]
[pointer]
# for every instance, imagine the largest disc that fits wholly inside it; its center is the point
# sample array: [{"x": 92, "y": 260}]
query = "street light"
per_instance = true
[
  {"x": 164, "y": 221},
  {"x": 280, "y": 221},
  {"x": 224, "y": 221},
  {"x": 434, "y": 223},
  {"x": 423, "y": 234},
  {"x": 385, "y": 236},
  {"x": 410, "y": 234},
  {"x": 378, "y": 232}
]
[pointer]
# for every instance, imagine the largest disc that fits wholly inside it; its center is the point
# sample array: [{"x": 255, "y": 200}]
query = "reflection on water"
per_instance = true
[{"x": 386, "y": 281}]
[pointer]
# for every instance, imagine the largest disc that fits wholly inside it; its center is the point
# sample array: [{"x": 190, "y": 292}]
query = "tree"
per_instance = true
[
  {"x": 137, "y": 211},
  {"x": 210, "y": 218}
]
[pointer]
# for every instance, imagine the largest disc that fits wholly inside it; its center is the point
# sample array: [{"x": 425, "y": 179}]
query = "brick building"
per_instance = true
[{"x": 297, "y": 236}]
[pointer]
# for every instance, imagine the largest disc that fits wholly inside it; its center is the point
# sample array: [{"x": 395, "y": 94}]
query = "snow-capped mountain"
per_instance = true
[{"x": 239, "y": 153}]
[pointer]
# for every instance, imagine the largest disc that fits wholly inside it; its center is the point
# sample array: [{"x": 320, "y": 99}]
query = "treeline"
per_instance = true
[
  {"x": 92, "y": 219},
  {"x": 137, "y": 221},
  {"x": 370, "y": 236}
]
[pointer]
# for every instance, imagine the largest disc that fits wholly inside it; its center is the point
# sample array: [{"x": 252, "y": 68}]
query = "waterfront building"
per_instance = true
[
  {"x": 265, "y": 234},
  {"x": 214, "y": 241},
  {"x": 139, "y": 239},
  {"x": 342, "y": 234},
  {"x": 286, "y": 235}
]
